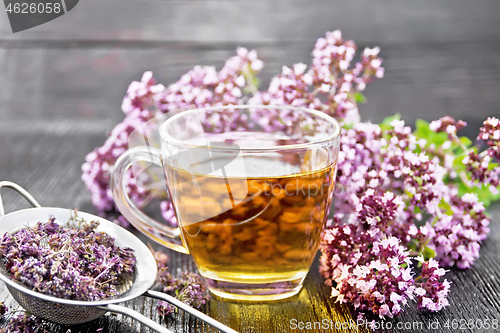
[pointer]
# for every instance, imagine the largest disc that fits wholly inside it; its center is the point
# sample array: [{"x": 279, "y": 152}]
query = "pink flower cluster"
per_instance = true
[
  {"x": 419, "y": 213},
  {"x": 431, "y": 294},
  {"x": 372, "y": 269},
  {"x": 456, "y": 238},
  {"x": 328, "y": 85},
  {"x": 393, "y": 159},
  {"x": 202, "y": 86},
  {"x": 448, "y": 125},
  {"x": 399, "y": 194},
  {"x": 479, "y": 164}
]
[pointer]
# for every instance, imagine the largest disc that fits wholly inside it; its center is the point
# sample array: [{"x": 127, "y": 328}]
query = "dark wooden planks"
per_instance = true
[
  {"x": 268, "y": 21},
  {"x": 45, "y": 81},
  {"x": 61, "y": 86}
]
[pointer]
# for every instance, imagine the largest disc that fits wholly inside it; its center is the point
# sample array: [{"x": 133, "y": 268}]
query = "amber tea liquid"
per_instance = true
[{"x": 253, "y": 229}]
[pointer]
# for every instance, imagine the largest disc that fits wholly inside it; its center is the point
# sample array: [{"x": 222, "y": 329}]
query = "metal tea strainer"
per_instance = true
[{"x": 70, "y": 312}]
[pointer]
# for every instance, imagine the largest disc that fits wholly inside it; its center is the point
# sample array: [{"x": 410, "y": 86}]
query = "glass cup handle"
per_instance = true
[{"x": 161, "y": 233}]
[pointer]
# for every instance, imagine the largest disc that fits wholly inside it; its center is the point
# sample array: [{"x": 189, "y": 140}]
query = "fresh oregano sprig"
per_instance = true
[{"x": 418, "y": 197}]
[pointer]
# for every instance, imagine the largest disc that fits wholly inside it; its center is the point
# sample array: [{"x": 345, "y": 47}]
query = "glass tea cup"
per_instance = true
[{"x": 251, "y": 188}]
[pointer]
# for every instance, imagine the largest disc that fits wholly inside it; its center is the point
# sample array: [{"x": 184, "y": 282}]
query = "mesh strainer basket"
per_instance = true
[{"x": 70, "y": 312}]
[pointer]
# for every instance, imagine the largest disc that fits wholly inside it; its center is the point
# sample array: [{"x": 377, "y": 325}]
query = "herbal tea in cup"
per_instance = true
[{"x": 251, "y": 187}]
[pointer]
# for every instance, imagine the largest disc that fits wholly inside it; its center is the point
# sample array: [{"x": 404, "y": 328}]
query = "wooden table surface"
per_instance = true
[{"x": 61, "y": 86}]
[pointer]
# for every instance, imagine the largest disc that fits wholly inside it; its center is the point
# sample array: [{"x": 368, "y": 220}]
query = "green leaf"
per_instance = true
[
  {"x": 428, "y": 253},
  {"x": 348, "y": 126},
  {"x": 412, "y": 245},
  {"x": 438, "y": 139},
  {"x": 445, "y": 207},
  {"x": 483, "y": 193},
  {"x": 466, "y": 141},
  {"x": 492, "y": 165},
  {"x": 388, "y": 120},
  {"x": 359, "y": 98},
  {"x": 422, "y": 129},
  {"x": 457, "y": 162},
  {"x": 385, "y": 125},
  {"x": 251, "y": 77},
  {"x": 256, "y": 81}
]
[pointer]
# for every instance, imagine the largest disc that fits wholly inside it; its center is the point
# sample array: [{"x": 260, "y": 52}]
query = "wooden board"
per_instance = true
[{"x": 61, "y": 86}]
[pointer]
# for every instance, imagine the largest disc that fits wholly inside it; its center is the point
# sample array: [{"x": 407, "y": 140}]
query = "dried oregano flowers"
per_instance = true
[
  {"x": 74, "y": 261},
  {"x": 190, "y": 288},
  {"x": 23, "y": 322}
]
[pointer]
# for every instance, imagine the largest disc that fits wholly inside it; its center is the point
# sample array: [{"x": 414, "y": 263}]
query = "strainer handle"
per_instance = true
[
  {"x": 135, "y": 315},
  {"x": 200, "y": 315},
  {"x": 159, "y": 232},
  {"x": 19, "y": 190}
]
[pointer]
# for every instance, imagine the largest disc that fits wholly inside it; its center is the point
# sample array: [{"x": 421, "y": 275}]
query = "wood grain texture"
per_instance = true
[
  {"x": 268, "y": 21},
  {"x": 89, "y": 81}
]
